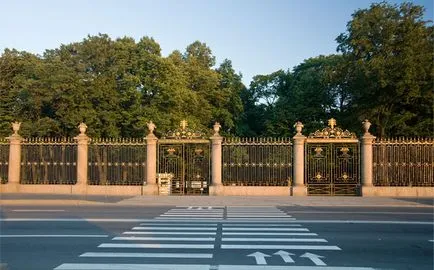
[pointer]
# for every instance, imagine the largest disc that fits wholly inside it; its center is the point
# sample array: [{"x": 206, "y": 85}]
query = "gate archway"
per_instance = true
[
  {"x": 332, "y": 162},
  {"x": 184, "y": 156}
]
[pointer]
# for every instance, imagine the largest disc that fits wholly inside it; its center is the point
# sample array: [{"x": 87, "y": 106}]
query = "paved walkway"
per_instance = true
[{"x": 55, "y": 199}]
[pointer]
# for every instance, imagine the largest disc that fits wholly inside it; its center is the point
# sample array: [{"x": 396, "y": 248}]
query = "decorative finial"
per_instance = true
[
  {"x": 298, "y": 127},
  {"x": 366, "y": 125},
  {"x": 82, "y": 128},
  {"x": 216, "y": 128},
  {"x": 16, "y": 127},
  {"x": 151, "y": 127},
  {"x": 184, "y": 124},
  {"x": 332, "y": 123}
]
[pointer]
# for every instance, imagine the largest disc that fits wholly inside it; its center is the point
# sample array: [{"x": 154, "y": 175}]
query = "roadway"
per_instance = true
[{"x": 122, "y": 237}]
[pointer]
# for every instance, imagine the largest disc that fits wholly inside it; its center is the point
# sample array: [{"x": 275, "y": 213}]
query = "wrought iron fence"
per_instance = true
[
  {"x": 48, "y": 161},
  {"x": 4, "y": 160},
  {"x": 257, "y": 162},
  {"x": 403, "y": 162},
  {"x": 117, "y": 161}
]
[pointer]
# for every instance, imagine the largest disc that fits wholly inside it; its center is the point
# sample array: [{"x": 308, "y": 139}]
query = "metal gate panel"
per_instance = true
[
  {"x": 332, "y": 162},
  {"x": 185, "y": 155}
]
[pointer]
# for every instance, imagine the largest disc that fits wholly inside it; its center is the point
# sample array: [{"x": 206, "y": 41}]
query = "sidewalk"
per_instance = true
[{"x": 58, "y": 199}]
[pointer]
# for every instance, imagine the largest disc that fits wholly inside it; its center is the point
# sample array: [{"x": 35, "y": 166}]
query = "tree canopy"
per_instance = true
[{"x": 383, "y": 72}]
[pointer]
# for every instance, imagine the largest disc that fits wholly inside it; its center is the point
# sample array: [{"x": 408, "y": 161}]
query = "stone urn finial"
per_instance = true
[
  {"x": 82, "y": 128},
  {"x": 216, "y": 128},
  {"x": 366, "y": 125},
  {"x": 151, "y": 127},
  {"x": 16, "y": 127},
  {"x": 298, "y": 127}
]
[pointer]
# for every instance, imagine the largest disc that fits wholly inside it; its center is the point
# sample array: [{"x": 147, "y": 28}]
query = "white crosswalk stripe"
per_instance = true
[{"x": 193, "y": 213}]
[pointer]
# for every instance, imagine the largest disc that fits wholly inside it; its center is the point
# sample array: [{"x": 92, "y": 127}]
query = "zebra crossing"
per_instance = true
[
  {"x": 210, "y": 238},
  {"x": 193, "y": 213}
]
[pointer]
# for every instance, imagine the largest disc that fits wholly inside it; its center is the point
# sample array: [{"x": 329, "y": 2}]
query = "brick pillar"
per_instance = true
[
  {"x": 14, "y": 158},
  {"x": 367, "y": 159},
  {"x": 82, "y": 160},
  {"x": 299, "y": 189}
]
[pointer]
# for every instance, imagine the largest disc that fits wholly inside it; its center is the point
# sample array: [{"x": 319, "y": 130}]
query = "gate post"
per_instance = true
[
  {"x": 299, "y": 189},
  {"x": 151, "y": 162},
  {"x": 14, "y": 159},
  {"x": 82, "y": 160},
  {"x": 367, "y": 159},
  {"x": 216, "y": 161}
]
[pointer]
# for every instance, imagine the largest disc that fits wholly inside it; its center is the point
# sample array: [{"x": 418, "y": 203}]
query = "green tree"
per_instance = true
[{"x": 390, "y": 53}]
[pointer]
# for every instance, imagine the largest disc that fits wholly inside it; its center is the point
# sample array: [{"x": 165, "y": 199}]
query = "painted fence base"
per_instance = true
[
  {"x": 249, "y": 191},
  {"x": 81, "y": 189},
  {"x": 398, "y": 192}
]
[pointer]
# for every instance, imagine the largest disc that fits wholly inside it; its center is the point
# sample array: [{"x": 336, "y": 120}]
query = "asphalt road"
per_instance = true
[{"x": 217, "y": 238}]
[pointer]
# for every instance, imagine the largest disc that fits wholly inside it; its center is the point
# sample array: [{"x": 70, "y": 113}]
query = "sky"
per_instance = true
[{"x": 258, "y": 36}]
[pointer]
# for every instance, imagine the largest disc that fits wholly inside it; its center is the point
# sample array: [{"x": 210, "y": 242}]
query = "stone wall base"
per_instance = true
[
  {"x": 80, "y": 189},
  {"x": 398, "y": 192},
  {"x": 248, "y": 191}
]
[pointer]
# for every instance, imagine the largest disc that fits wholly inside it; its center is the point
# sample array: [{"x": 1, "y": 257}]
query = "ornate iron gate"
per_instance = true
[
  {"x": 332, "y": 162},
  {"x": 185, "y": 155}
]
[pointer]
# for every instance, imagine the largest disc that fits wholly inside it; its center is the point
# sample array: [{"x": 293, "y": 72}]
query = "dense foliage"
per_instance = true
[{"x": 384, "y": 73}]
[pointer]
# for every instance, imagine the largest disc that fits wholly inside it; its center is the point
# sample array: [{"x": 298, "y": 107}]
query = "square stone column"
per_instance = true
[
  {"x": 151, "y": 165},
  {"x": 298, "y": 188},
  {"x": 14, "y": 159},
  {"x": 216, "y": 161},
  {"x": 82, "y": 160}
]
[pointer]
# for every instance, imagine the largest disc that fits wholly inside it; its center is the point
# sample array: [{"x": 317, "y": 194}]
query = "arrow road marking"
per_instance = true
[
  {"x": 259, "y": 256},
  {"x": 286, "y": 256},
  {"x": 314, "y": 258}
]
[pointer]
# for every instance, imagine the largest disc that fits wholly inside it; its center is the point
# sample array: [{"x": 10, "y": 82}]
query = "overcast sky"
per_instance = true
[{"x": 259, "y": 37}]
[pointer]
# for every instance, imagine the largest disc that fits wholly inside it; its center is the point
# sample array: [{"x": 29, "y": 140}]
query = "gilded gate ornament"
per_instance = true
[
  {"x": 183, "y": 132},
  {"x": 332, "y": 131}
]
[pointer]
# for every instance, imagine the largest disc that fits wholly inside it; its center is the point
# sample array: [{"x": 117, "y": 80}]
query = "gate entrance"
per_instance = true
[
  {"x": 184, "y": 160},
  {"x": 332, "y": 162}
]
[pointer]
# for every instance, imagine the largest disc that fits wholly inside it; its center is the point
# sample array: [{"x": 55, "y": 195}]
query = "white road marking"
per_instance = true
[
  {"x": 171, "y": 233},
  {"x": 121, "y": 220},
  {"x": 38, "y": 210},
  {"x": 314, "y": 258},
  {"x": 175, "y": 228},
  {"x": 265, "y": 229},
  {"x": 114, "y": 266},
  {"x": 52, "y": 235},
  {"x": 286, "y": 256},
  {"x": 261, "y": 216},
  {"x": 178, "y": 224},
  {"x": 286, "y": 267},
  {"x": 291, "y": 247},
  {"x": 269, "y": 234},
  {"x": 261, "y": 225},
  {"x": 189, "y": 218},
  {"x": 183, "y": 246},
  {"x": 134, "y": 238},
  {"x": 431, "y": 240},
  {"x": 188, "y": 215},
  {"x": 259, "y": 257},
  {"x": 273, "y": 240},
  {"x": 147, "y": 255}
]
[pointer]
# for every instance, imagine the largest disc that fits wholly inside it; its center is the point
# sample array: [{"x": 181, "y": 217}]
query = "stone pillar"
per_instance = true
[
  {"x": 299, "y": 189},
  {"x": 14, "y": 158},
  {"x": 366, "y": 159},
  {"x": 151, "y": 161},
  {"x": 82, "y": 159},
  {"x": 216, "y": 161}
]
